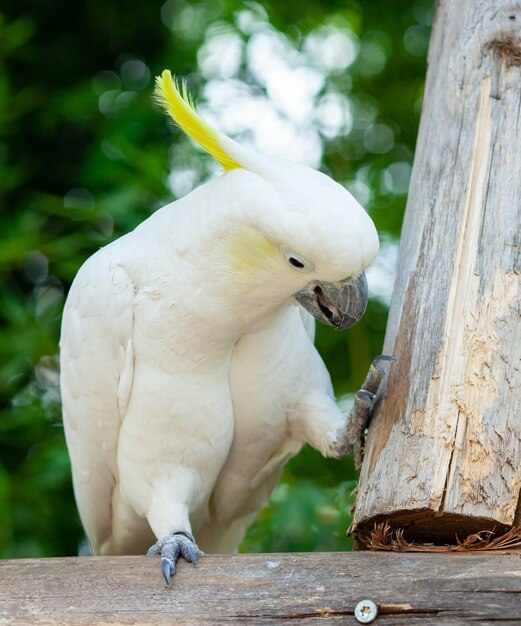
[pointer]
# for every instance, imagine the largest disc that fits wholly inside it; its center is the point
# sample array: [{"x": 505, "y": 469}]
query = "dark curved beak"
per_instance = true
[{"x": 339, "y": 304}]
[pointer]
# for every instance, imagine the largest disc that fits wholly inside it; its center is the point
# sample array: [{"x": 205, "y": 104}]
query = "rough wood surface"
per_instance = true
[
  {"x": 443, "y": 455},
  {"x": 263, "y": 589}
]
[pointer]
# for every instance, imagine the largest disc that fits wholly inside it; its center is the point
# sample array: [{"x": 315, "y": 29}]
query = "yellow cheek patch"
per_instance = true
[
  {"x": 251, "y": 252},
  {"x": 176, "y": 102}
]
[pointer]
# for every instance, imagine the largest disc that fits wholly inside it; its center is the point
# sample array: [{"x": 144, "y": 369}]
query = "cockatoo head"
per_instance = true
[{"x": 291, "y": 230}]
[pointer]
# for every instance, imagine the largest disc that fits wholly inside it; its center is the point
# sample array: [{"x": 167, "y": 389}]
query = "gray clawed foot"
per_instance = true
[
  {"x": 171, "y": 548},
  {"x": 377, "y": 370},
  {"x": 363, "y": 407}
]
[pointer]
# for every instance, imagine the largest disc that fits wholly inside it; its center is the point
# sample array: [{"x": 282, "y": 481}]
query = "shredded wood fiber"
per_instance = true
[{"x": 384, "y": 538}]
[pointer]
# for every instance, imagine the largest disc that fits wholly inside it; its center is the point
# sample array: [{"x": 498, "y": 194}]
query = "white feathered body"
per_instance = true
[{"x": 182, "y": 398}]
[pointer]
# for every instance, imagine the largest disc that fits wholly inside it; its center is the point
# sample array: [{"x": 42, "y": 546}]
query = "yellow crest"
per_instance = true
[{"x": 176, "y": 102}]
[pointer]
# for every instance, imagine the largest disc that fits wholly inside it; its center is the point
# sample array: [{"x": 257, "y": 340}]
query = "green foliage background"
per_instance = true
[{"x": 85, "y": 156}]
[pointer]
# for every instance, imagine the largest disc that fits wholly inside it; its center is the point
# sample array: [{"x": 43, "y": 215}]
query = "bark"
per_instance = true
[{"x": 443, "y": 455}]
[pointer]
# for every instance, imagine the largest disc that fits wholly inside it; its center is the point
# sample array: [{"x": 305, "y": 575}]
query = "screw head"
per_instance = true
[{"x": 366, "y": 611}]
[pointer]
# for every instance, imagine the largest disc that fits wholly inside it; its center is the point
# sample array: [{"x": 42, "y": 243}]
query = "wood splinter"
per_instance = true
[{"x": 385, "y": 538}]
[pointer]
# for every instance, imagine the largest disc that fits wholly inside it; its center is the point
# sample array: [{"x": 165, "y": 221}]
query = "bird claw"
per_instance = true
[
  {"x": 171, "y": 548},
  {"x": 366, "y": 398}
]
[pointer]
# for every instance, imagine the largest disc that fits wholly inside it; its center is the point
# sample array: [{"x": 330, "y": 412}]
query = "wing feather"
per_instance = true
[{"x": 97, "y": 364}]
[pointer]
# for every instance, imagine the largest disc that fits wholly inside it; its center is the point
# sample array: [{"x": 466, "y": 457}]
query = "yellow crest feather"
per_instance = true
[{"x": 176, "y": 102}]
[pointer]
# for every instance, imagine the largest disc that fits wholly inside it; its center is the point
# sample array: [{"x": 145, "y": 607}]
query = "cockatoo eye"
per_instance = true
[{"x": 297, "y": 261}]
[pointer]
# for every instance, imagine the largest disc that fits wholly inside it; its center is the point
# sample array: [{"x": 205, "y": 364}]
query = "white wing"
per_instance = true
[{"x": 96, "y": 358}]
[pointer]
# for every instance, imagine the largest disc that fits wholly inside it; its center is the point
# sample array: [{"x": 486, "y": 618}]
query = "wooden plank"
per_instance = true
[
  {"x": 264, "y": 589},
  {"x": 443, "y": 455}
]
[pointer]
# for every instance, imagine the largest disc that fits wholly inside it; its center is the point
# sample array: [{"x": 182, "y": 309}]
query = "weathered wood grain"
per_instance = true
[
  {"x": 443, "y": 455},
  {"x": 263, "y": 589}
]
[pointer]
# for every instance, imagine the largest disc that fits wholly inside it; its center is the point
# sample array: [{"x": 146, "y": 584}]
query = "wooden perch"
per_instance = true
[
  {"x": 263, "y": 589},
  {"x": 443, "y": 455}
]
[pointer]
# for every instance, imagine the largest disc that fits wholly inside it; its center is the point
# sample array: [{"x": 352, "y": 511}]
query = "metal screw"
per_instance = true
[{"x": 366, "y": 611}]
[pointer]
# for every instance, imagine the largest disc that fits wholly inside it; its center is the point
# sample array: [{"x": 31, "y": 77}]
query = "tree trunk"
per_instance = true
[{"x": 443, "y": 455}]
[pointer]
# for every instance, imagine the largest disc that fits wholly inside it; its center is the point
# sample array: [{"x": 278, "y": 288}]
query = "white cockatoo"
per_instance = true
[{"x": 188, "y": 371}]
